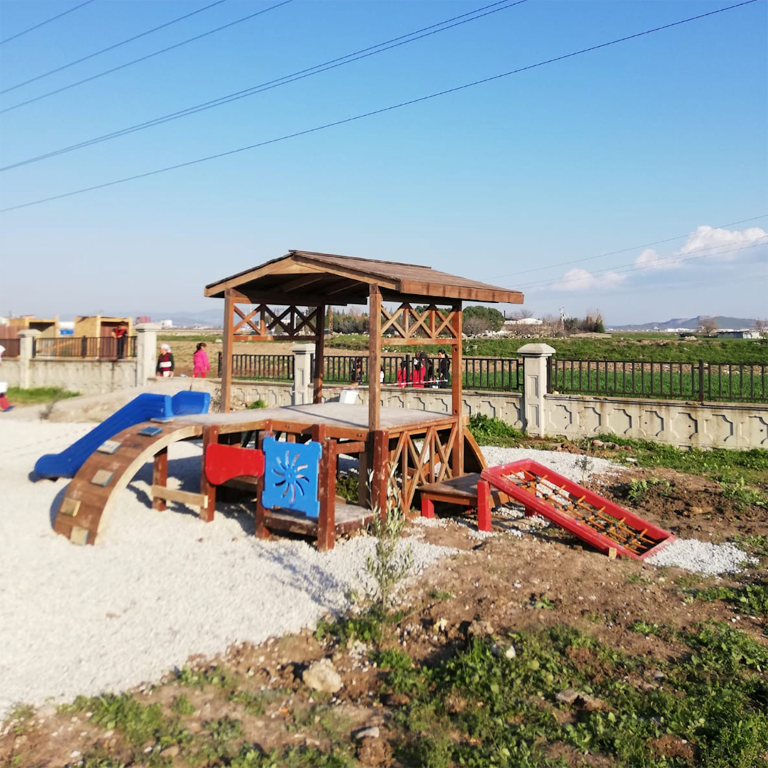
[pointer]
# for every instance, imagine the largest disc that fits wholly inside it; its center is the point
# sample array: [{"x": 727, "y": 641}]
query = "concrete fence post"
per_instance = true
[
  {"x": 535, "y": 386},
  {"x": 27, "y": 338},
  {"x": 302, "y": 373},
  {"x": 146, "y": 351}
]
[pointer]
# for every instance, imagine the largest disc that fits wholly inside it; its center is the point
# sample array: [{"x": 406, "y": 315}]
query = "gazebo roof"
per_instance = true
[{"x": 302, "y": 277}]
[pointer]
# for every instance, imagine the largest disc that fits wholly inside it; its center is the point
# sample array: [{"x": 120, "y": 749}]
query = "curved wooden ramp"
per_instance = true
[{"x": 109, "y": 469}]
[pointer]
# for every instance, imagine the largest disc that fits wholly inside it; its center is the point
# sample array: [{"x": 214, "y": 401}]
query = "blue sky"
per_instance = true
[{"x": 517, "y": 182}]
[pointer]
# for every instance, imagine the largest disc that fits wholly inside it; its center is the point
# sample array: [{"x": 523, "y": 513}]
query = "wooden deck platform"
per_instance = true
[
  {"x": 342, "y": 421},
  {"x": 348, "y": 518}
]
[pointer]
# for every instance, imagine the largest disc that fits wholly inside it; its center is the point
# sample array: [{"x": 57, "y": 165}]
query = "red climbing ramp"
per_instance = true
[{"x": 589, "y": 516}]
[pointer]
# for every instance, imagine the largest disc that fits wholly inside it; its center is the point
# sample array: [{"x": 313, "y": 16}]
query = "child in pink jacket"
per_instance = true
[{"x": 200, "y": 362}]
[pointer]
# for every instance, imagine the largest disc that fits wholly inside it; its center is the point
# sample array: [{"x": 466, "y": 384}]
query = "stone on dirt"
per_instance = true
[{"x": 322, "y": 676}]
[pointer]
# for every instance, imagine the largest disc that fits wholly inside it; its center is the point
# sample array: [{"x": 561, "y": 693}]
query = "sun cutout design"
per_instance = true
[{"x": 291, "y": 476}]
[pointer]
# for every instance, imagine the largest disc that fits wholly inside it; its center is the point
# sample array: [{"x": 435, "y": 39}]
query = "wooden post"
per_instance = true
[
  {"x": 380, "y": 479},
  {"x": 457, "y": 377},
  {"x": 483, "y": 506},
  {"x": 227, "y": 349},
  {"x": 262, "y": 532},
  {"x": 374, "y": 360},
  {"x": 326, "y": 521},
  {"x": 160, "y": 477},
  {"x": 319, "y": 356},
  {"x": 210, "y": 437},
  {"x": 362, "y": 474}
]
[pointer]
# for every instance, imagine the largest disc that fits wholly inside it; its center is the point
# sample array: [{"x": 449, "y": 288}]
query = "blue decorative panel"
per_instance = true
[{"x": 291, "y": 473}]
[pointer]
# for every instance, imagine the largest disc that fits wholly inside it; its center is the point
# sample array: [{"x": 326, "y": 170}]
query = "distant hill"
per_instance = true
[{"x": 690, "y": 322}]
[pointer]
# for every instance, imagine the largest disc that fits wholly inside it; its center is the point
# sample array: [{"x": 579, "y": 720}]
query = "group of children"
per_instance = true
[{"x": 422, "y": 376}]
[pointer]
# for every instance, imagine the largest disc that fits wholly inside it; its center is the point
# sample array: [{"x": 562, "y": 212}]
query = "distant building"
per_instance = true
[
  {"x": 523, "y": 321},
  {"x": 742, "y": 334},
  {"x": 166, "y": 323}
]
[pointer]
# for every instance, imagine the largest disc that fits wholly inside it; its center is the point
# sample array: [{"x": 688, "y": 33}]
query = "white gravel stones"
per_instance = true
[
  {"x": 157, "y": 588},
  {"x": 566, "y": 464},
  {"x": 701, "y": 557}
]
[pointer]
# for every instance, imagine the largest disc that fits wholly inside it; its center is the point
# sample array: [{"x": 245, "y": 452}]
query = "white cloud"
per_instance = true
[
  {"x": 705, "y": 244},
  {"x": 583, "y": 280}
]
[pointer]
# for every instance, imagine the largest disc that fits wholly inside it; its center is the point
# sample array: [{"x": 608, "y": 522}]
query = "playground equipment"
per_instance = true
[
  {"x": 598, "y": 521},
  {"x": 142, "y": 408}
]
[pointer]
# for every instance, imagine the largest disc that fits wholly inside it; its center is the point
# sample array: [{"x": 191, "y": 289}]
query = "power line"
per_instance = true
[
  {"x": 372, "y": 113},
  {"x": 633, "y": 267},
  {"x": 614, "y": 253},
  {"x": 43, "y": 23},
  {"x": 111, "y": 47},
  {"x": 285, "y": 80},
  {"x": 148, "y": 56}
]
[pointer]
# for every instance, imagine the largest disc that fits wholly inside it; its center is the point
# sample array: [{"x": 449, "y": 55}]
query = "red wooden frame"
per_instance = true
[{"x": 521, "y": 481}]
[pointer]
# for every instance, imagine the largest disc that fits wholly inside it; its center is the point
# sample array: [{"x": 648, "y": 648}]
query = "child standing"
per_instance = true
[{"x": 200, "y": 362}]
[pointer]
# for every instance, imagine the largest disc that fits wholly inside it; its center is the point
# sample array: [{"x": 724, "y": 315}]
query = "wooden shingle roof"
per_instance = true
[{"x": 305, "y": 276}]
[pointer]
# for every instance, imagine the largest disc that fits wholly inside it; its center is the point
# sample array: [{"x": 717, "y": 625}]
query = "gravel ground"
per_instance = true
[
  {"x": 156, "y": 589},
  {"x": 701, "y": 557}
]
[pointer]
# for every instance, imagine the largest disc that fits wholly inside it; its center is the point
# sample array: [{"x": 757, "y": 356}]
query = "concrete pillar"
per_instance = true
[
  {"x": 27, "y": 338},
  {"x": 535, "y": 386},
  {"x": 146, "y": 351},
  {"x": 302, "y": 374}
]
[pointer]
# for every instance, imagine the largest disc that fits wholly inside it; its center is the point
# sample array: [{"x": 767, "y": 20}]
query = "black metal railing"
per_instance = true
[
  {"x": 269, "y": 367},
  {"x": 672, "y": 380},
  {"x": 12, "y": 347},
  {"x": 96, "y": 347}
]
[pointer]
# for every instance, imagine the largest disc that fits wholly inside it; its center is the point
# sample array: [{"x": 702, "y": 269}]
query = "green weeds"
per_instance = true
[
  {"x": 39, "y": 395},
  {"x": 750, "y": 599},
  {"x": 639, "y": 488},
  {"x": 492, "y": 431}
]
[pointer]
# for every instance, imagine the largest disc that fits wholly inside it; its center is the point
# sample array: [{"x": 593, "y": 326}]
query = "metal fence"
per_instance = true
[
  {"x": 12, "y": 347},
  {"x": 719, "y": 382},
  {"x": 96, "y": 347},
  {"x": 271, "y": 367}
]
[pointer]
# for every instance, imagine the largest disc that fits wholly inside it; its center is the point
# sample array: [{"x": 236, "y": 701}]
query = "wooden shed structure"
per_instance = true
[{"x": 287, "y": 299}]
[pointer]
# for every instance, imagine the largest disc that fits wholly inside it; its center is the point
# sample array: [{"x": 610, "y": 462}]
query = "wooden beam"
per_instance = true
[
  {"x": 262, "y": 532},
  {"x": 301, "y": 282},
  {"x": 457, "y": 395},
  {"x": 374, "y": 358},
  {"x": 159, "y": 477},
  {"x": 210, "y": 437},
  {"x": 317, "y": 396},
  {"x": 226, "y": 351},
  {"x": 338, "y": 286},
  {"x": 183, "y": 497},
  {"x": 422, "y": 342}
]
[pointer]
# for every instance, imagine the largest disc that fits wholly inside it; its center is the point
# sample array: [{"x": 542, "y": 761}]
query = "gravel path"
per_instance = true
[{"x": 156, "y": 589}]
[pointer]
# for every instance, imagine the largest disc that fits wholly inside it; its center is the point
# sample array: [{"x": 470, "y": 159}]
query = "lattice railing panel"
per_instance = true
[
  {"x": 406, "y": 322},
  {"x": 265, "y": 322}
]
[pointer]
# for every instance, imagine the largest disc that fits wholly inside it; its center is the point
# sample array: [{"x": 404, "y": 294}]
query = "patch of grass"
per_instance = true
[
  {"x": 256, "y": 404},
  {"x": 182, "y": 705},
  {"x": 392, "y": 659},
  {"x": 492, "y": 431},
  {"x": 743, "y": 495},
  {"x": 479, "y": 709},
  {"x": 755, "y": 544},
  {"x": 751, "y": 599},
  {"x": 19, "y": 716},
  {"x": 38, "y": 395},
  {"x": 437, "y": 594},
  {"x": 199, "y": 678},
  {"x": 136, "y": 721},
  {"x": 719, "y": 463},
  {"x": 367, "y": 626}
]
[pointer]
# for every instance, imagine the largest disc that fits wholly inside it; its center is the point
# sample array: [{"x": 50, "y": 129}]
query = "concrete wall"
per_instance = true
[{"x": 711, "y": 425}]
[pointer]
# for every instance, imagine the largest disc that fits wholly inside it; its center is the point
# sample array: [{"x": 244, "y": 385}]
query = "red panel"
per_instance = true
[
  {"x": 499, "y": 477},
  {"x": 225, "y": 462}
]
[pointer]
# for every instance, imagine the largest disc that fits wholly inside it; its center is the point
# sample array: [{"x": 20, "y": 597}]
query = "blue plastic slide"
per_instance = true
[{"x": 141, "y": 408}]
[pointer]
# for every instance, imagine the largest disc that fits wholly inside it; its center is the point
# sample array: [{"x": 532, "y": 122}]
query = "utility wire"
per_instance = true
[
  {"x": 148, "y": 56},
  {"x": 43, "y": 23},
  {"x": 111, "y": 47},
  {"x": 293, "y": 77},
  {"x": 613, "y": 253},
  {"x": 372, "y": 113},
  {"x": 646, "y": 268}
]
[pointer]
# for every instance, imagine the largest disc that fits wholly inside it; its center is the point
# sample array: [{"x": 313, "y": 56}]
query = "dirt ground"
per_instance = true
[{"x": 494, "y": 585}]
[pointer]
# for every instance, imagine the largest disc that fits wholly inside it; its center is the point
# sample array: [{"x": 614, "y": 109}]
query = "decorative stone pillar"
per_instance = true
[
  {"x": 535, "y": 386},
  {"x": 27, "y": 338},
  {"x": 146, "y": 351},
  {"x": 302, "y": 374}
]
